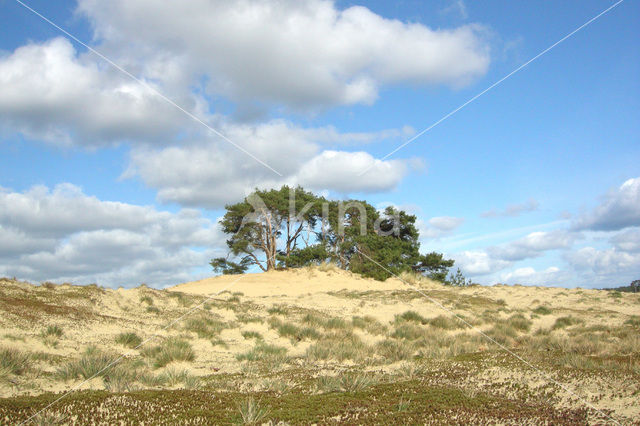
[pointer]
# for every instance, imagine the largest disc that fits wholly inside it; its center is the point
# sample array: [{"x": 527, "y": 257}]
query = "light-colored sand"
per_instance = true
[
  {"x": 287, "y": 283},
  {"x": 97, "y": 316}
]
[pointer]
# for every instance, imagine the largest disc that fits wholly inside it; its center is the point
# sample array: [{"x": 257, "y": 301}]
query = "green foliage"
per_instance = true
[
  {"x": 227, "y": 267},
  {"x": 458, "y": 280},
  {"x": 13, "y": 361},
  {"x": 130, "y": 340},
  {"x": 277, "y": 228},
  {"x": 542, "y": 310},
  {"x": 53, "y": 330},
  {"x": 93, "y": 363},
  {"x": 563, "y": 322},
  {"x": 172, "y": 349}
]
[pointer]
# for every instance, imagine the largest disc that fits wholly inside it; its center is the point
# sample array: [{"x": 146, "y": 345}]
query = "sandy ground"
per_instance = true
[{"x": 95, "y": 316}]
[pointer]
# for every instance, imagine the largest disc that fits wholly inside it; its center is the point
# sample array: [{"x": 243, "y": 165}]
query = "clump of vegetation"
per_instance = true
[
  {"x": 369, "y": 323},
  {"x": 564, "y": 322},
  {"x": 130, "y": 340},
  {"x": 519, "y": 322},
  {"x": 205, "y": 326},
  {"x": 338, "y": 346},
  {"x": 53, "y": 330},
  {"x": 336, "y": 323},
  {"x": 412, "y": 316},
  {"x": 152, "y": 310},
  {"x": 13, "y": 361},
  {"x": 51, "y": 335},
  {"x": 407, "y": 331},
  {"x": 503, "y": 333},
  {"x": 278, "y": 310},
  {"x": 251, "y": 412},
  {"x": 295, "y": 333},
  {"x": 93, "y": 363},
  {"x": 446, "y": 323},
  {"x": 264, "y": 352},
  {"x": 172, "y": 349},
  {"x": 147, "y": 299},
  {"x": 542, "y": 310},
  {"x": 252, "y": 335},
  {"x": 393, "y": 350},
  {"x": 344, "y": 383},
  {"x": 634, "y": 321}
]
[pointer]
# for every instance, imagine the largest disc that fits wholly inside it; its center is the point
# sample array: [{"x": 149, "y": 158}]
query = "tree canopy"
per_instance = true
[{"x": 290, "y": 227}]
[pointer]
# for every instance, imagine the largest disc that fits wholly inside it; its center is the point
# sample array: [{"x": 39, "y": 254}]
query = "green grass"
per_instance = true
[
  {"x": 446, "y": 323},
  {"x": 564, "y": 322},
  {"x": 130, "y": 340},
  {"x": 264, "y": 352},
  {"x": 147, "y": 299},
  {"x": 634, "y": 321},
  {"x": 408, "y": 331},
  {"x": 412, "y": 316},
  {"x": 278, "y": 310},
  {"x": 52, "y": 330},
  {"x": 93, "y": 363},
  {"x": 205, "y": 326},
  {"x": 519, "y": 322},
  {"x": 393, "y": 350},
  {"x": 13, "y": 361},
  {"x": 542, "y": 310},
  {"x": 344, "y": 383},
  {"x": 152, "y": 310},
  {"x": 369, "y": 323},
  {"x": 252, "y": 335},
  {"x": 338, "y": 347},
  {"x": 172, "y": 349},
  {"x": 294, "y": 332},
  {"x": 251, "y": 412}
]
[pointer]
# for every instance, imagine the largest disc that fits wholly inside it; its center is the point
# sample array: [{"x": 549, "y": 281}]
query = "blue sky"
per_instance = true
[{"x": 535, "y": 182}]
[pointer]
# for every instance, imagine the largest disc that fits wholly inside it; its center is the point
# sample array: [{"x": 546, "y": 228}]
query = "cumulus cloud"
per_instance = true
[
  {"x": 438, "y": 226},
  {"x": 303, "y": 54},
  {"x": 513, "y": 210},
  {"x": 534, "y": 244},
  {"x": 529, "y": 276},
  {"x": 205, "y": 174},
  {"x": 478, "y": 262},
  {"x": 628, "y": 240},
  {"x": 66, "y": 235},
  {"x": 605, "y": 268},
  {"x": 48, "y": 92},
  {"x": 620, "y": 209}
]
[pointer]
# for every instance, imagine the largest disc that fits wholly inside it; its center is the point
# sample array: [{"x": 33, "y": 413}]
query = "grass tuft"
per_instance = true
[
  {"x": 172, "y": 349},
  {"x": 130, "y": 340}
]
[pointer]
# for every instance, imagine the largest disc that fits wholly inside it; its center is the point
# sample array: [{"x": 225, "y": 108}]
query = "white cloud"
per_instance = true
[
  {"x": 65, "y": 235},
  {"x": 628, "y": 240},
  {"x": 438, "y": 227},
  {"x": 534, "y": 244},
  {"x": 529, "y": 276},
  {"x": 299, "y": 53},
  {"x": 606, "y": 261},
  {"x": 340, "y": 171},
  {"x": 457, "y": 7},
  {"x": 513, "y": 210},
  {"x": 206, "y": 174},
  {"x": 48, "y": 92},
  {"x": 477, "y": 262},
  {"x": 446, "y": 223},
  {"x": 605, "y": 268},
  {"x": 620, "y": 209}
]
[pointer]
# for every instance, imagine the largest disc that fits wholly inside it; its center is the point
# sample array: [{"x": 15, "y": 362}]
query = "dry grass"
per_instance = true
[
  {"x": 171, "y": 349},
  {"x": 130, "y": 340}
]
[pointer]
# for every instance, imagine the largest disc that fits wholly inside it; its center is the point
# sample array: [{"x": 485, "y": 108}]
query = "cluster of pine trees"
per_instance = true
[{"x": 290, "y": 228}]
